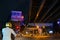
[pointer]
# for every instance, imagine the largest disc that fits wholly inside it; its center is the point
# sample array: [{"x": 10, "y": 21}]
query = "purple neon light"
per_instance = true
[
  {"x": 58, "y": 22},
  {"x": 17, "y": 16}
]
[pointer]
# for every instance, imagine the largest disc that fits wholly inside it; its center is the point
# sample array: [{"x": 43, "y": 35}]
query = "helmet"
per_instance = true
[{"x": 8, "y": 24}]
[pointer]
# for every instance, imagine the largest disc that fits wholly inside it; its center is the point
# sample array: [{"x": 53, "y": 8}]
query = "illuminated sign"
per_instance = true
[
  {"x": 17, "y": 16},
  {"x": 41, "y": 24}
]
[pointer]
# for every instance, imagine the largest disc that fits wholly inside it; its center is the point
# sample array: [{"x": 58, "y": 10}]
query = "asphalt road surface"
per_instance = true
[
  {"x": 25, "y": 38},
  {"x": 31, "y": 38},
  {"x": 37, "y": 39}
]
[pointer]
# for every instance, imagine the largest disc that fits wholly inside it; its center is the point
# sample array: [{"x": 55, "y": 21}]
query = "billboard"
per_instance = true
[{"x": 17, "y": 16}]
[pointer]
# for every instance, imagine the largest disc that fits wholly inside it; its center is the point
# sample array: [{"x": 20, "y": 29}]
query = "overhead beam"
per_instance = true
[
  {"x": 51, "y": 14},
  {"x": 55, "y": 16},
  {"x": 30, "y": 7},
  {"x": 40, "y": 9},
  {"x": 48, "y": 11}
]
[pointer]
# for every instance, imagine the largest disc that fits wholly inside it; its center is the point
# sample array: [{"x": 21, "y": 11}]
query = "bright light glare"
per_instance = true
[
  {"x": 51, "y": 32},
  {"x": 58, "y": 22},
  {"x": 37, "y": 26},
  {"x": 26, "y": 32},
  {"x": 7, "y": 25}
]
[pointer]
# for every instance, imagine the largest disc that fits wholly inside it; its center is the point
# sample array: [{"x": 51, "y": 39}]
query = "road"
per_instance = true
[
  {"x": 42, "y": 38},
  {"x": 28, "y": 38},
  {"x": 22, "y": 38},
  {"x": 32, "y": 38}
]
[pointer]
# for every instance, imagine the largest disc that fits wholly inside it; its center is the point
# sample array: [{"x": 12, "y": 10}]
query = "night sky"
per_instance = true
[
  {"x": 7, "y": 5},
  {"x": 50, "y": 10}
]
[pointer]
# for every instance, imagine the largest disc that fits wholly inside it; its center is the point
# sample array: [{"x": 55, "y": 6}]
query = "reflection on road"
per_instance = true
[{"x": 26, "y": 37}]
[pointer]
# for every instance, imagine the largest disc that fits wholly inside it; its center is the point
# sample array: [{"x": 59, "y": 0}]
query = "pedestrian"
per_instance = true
[
  {"x": 40, "y": 31},
  {"x": 6, "y": 32}
]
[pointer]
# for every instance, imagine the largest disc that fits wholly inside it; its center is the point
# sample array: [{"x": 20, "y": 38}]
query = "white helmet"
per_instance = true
[{"x": 8, "y": 24}]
